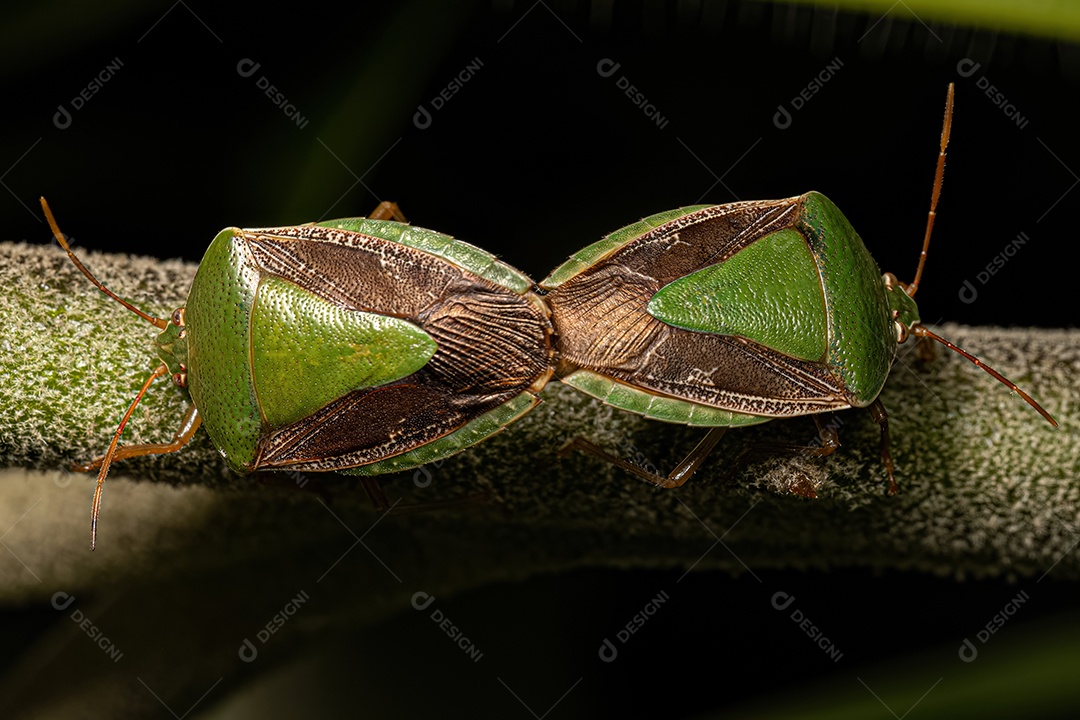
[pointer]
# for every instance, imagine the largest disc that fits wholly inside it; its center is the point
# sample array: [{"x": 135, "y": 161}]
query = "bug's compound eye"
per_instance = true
[
  {"x": 893, "y": 283},
  {"x": 180, "y": 379},
  {"x": 178, "y": 317},
  {"x": 901, "y": 331}
]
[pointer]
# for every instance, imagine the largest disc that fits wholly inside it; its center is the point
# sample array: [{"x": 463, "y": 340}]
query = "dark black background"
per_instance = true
[{"x": 536, "y": 156}]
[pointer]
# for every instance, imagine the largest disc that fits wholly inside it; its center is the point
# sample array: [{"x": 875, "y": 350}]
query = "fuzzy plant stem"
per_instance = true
[{"x": 988, "y": 488}]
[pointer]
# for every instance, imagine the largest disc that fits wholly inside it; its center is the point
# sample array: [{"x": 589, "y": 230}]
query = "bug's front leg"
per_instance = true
[
  {"x": 181, "y": 437},
  {"x": 877, "y": 411}
]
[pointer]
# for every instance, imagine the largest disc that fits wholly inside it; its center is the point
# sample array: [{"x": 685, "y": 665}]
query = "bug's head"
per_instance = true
[
  {"x": 902, "y": 308},
  {"x": 172, "y": 348},
  {"x": 906, "y": 321},
  {"x": 171, "y": 344}
]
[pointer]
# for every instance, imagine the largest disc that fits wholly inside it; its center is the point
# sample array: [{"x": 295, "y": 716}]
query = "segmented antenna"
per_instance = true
[
  {"x": 161, "y": 323},
  {"x": 106, "y": 461},
  {"x": 939, "y": 177},
  {"x": 921, "y": 330}
]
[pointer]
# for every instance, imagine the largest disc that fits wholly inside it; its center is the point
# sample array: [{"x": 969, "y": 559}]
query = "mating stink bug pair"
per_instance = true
[
  {"x": 728, "y": 315},
  {"x": 368, "y": 346}
]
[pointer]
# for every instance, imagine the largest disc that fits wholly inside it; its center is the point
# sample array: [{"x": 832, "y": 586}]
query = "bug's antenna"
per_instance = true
[
  {"x": 921, "y": 331},
  {"x": 939, "y": 175},
  {"x": 95, "y": 507},
  {"x": 160, "y": 323}
]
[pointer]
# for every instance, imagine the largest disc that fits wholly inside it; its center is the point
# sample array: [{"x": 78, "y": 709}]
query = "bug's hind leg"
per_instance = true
[{"x": 682, "y": 472}]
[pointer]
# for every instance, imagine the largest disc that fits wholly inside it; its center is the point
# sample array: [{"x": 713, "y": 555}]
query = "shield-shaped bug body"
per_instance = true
[
  {"x": 361, "y": 345},
  {"x": 367, "y": 346},
  {"x": 728, "y": 315}
]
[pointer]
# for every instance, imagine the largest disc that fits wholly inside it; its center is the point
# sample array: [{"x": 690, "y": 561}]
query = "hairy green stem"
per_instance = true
[{"x": 988, "y": 487}]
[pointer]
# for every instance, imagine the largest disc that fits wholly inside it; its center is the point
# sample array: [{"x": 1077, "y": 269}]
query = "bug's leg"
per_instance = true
[
  {"x": 373, "y": 489},
  {"x": 925, "y": 349},
  {"x": 689, "y": 465},
  {"x": 182, "y": 437},
  {"x": 877, "y": 411},
  {"x": 682, "y": 472},
  {"x": 830, "y": 441},
  {"x": 387, "y": 210}
]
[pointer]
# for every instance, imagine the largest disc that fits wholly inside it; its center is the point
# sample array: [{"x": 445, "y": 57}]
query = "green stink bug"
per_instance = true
[
  {"x": 728, "y": 315},
  {"x": 361, "y": 345}
]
